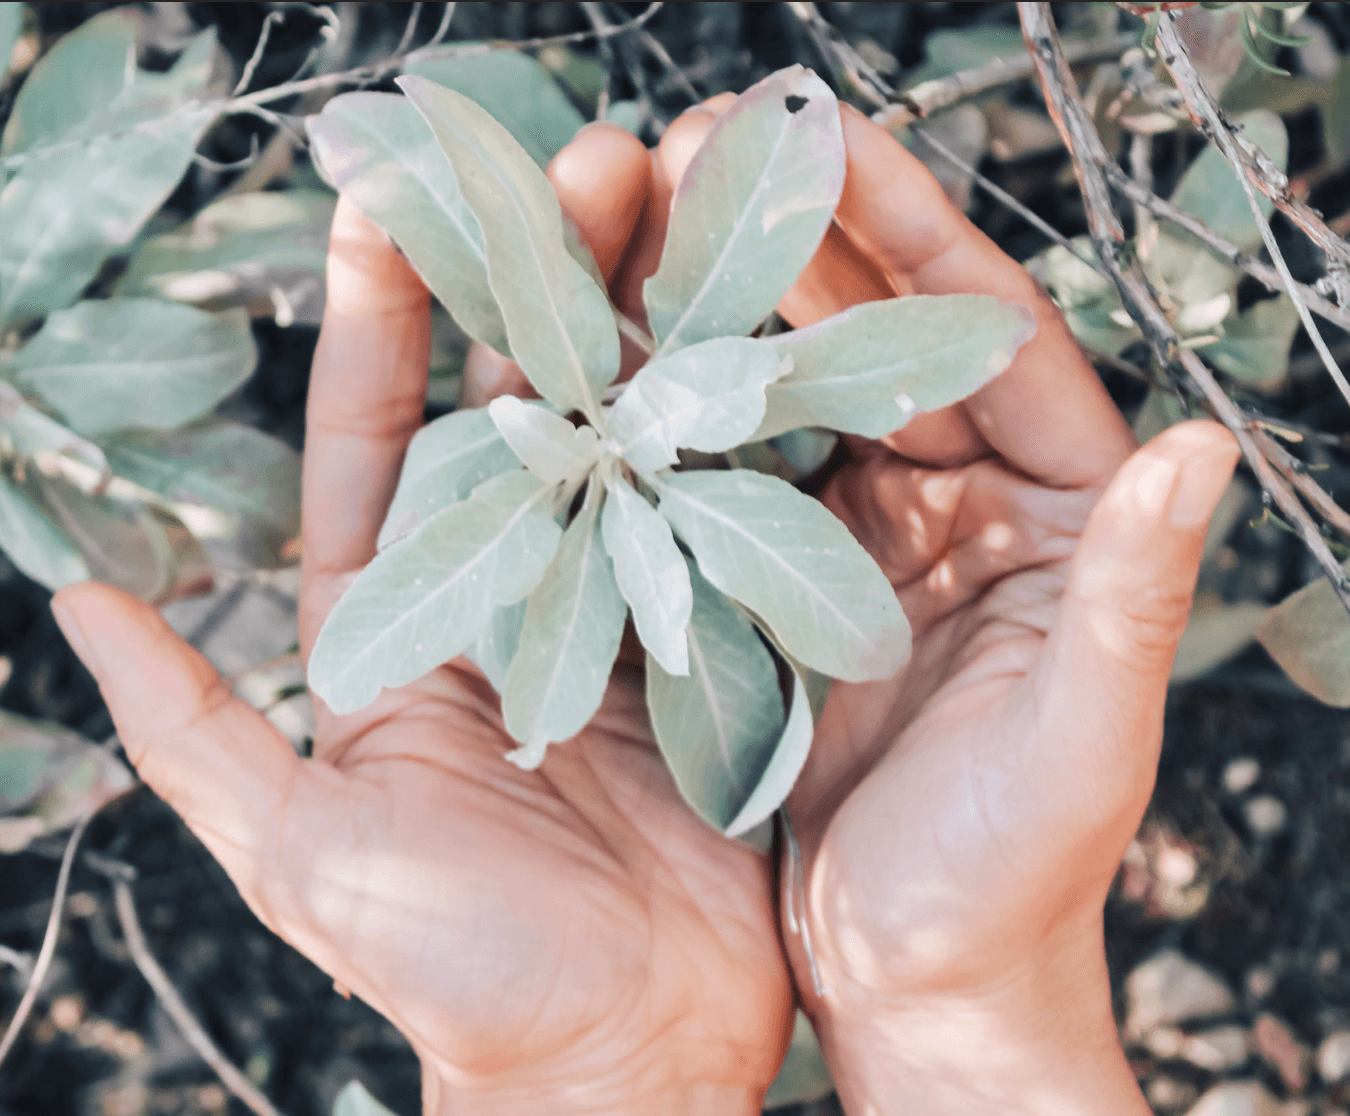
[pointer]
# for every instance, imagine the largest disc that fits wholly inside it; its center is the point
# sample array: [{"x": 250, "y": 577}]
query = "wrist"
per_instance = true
[
  {"x": 442, "y": 1095},
  {"x": 1041, "y": 1039}
]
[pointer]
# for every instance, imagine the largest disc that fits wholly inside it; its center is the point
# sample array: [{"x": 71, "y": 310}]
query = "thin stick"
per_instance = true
[
  {"x": 443, "y": 28},
  {"x": 239, "y": 1085},
  {"x": 1008, "y": 200},
  {"x": 48, "y": 950},
  {"x": 659, "y": 52},
  {"x": 799, "y": 921},
  {"x": 1206, "y": 114},
  {"x": 1295, "y": 472},
  {"x": 595, "y": 12},
  {"x": 1089, "y": 156},
  {"x": 251, "y": 67},
  {"x": 409, "y": 30},
  {"x": 1219, "y": 243}
]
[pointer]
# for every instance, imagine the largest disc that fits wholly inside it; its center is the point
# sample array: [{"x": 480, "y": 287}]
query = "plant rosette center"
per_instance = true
[{"x": 733, "y": 578}]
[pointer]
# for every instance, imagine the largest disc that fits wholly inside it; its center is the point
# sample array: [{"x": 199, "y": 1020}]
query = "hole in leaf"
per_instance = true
[{"x": 795, "y": 104}]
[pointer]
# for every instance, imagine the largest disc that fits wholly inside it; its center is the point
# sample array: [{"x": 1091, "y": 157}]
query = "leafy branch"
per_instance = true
[{"x": 1089, "y": 157}]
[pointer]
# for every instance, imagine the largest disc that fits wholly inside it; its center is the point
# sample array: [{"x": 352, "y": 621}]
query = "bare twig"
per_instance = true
[
  {"x": 1251, "y": 167},
  {"x": 1257, "y": 269},
  {"x": 846, "y": 62},
  {"x": 251, "y": 67},
  {"x": 1295, "y": 472},
  {"x": 1141, "y": 174},
  {"x": 409, "y": 30},
  {"x": 48, "y": 950},
  {"x": 678, "y": 76},
  {"x": 1089, "y": 157},
  {"x": 930, "y": 96},
  {"x": 595, "y": 12},
  {"x": 196, "y": 1036},
  {"x": 443, "y": 28},
  {"x": 1008, "y": 200}
]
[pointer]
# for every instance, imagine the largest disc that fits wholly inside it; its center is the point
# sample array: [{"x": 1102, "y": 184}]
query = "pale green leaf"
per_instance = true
[
  {"x": 67, "y": 210},
  {"x": 1255, "y": 344},
  {"x": 496, "y": 647},
  {"x": 651, "y": 574},
  {"x": 31, "y": 433},
  {"x": 50, "y": 778},
  {"x": 550, "y": 446},
  {"x": 1215, "y": 632},
  {"x": 428, "y": 597},
  {"x": 870, "y": 369},
  {"x": 1088, "y": 299},
  {"x": 749, "y": 212},
  {"x": 355, "y": 1100},
  {"x": 1211, "y": 191},
  {"x": 573, "y": 624},
  {"x": 805, "y": 450},
  {"x": 124, "y": 362},
  {"x": 34, "y": 544},
  {"x": 446, "y": 460},
  {"x": 784, "y": 556},
  {"x": 628, "y": 115},
  {"x": 515, "y": 89},
  {"x": 804, "y": 1076},
  {"x": 80, "y": 76},
  {"x": 1308, "y": 634},
  {"x": 558, "y": 321},
  {"x": 226, "y": 466},
  {"x": 377, "y": 150},
  {"x": 966, "y": 48},
  {"x": 718, "y": 725},
  {"x": 708, "y": 397},
  {"x": 11, "y": 23},
  {"x": 265, "y": 252}
]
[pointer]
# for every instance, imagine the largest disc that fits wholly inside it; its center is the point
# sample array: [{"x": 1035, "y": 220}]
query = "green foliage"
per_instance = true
[
  {"x": 94, "y": 478},
  {"x": 355, "y": 1100},
  {"x": 734, "y": 578}
]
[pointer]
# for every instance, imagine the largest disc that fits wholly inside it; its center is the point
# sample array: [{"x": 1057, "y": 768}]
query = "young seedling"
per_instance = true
[{"x": 525, "y": 533}]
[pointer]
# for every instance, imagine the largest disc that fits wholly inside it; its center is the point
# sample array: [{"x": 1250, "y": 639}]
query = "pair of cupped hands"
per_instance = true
[{"x": 574, "y": 939}]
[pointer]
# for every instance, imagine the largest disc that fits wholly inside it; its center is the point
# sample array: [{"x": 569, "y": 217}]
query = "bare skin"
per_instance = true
[{"x": 575, "y": 933}]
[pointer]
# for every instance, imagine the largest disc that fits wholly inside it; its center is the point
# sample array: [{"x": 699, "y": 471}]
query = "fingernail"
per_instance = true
[
  {"x": 1203, "y": 480},
  {"x": 1154, "y": 484},
  {"x": 79, "y": 643}
]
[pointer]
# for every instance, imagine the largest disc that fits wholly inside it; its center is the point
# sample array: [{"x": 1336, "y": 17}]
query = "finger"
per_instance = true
[
  {"x": 226, "y": 771},
  {"x": 1102, "y": 682},
  {"x": 366, "y": 397},
  {"x": 1048, "y": 413},
  {"x": 602, "y": 178},
  {"x": 488, "y": 374}
]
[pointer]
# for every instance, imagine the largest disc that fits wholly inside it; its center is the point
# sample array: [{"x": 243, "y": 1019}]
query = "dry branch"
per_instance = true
[
  {"x": 196, "y": 1036},
  {"x": 1089, "y": 157}
]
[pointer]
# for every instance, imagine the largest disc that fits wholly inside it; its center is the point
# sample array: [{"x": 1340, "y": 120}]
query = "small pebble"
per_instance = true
[
  {"x": 1282, "y": 1052},
  {"x": 1169, "y": 988},
  {"x": 1266, "y": 815},
  {"x": 1165, "y": 1042},
  {"x": 1221, "y": 1050},
  {"x": 1333, "y": 1057},
  {"x": 1237, "y": 1098},
  {"x": 1240, "y": 774},
  {"x": 1260, "y": 982},
  {"x": 1177, "y": 867},
  {"x": 1168, "y": 1092}
]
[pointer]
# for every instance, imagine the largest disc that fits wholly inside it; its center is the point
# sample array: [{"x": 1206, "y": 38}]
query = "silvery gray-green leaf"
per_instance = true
[
  {"x": 377, "y": 150},
  {"x": 265, "y": 252},
  {"x": 651, "y": 574},
  {"x": 496, "y": 647},
  {"x": 785, "y": 557},
  {"x": 570, "y": 638},
  {"x": 550, "y": 446},
  {"x": 870, "y": 369},
  {"x": 81, "y": 75},
  {"x": 1308, "y": 634},
  {"x": 66, "y": 211},
  {"x": 749, "y": 212},
  {"x": 29, "y": 433},
  {"x": 709, "y": 397},
  {"x": 718, "y": 726},
  {"x": 559, "y": 323},
  {"x": 32, "y": 543},
  {"x": 355, "y": 1100},
  {"x": 515, "y": 89},
  {"x": 446, "y": 460},
  {"x": 1210, "y": 188},
  {"x": 786, "y": 763},
  {"x": 805, "y": 450},
  {"x": 427, "y": 598},
  {"x": 804, "y": 1077},
  {"x": 11, "y": 23},
  {"x": 1255, "y": 344},
  {"x": 136, "y": 362},
  {"x": 223, "y": 465}
]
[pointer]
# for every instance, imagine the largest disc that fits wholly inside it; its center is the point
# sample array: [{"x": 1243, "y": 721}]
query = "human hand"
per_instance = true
[
  {"x": 961, "y": 824},
  {"x": 573, "y": 938}
]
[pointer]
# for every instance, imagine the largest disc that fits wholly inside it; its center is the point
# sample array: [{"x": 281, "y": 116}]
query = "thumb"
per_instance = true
[
  {"x": 1102, "y": 683},
  {"x": 210, "y": 756}
]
